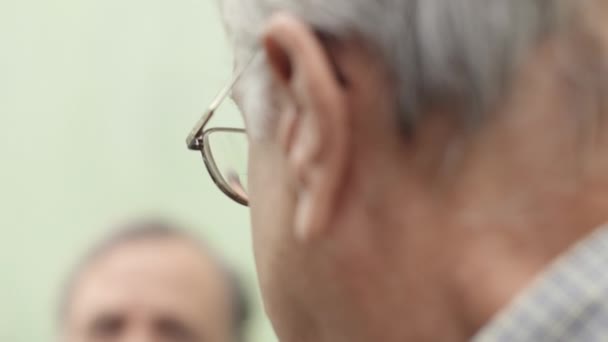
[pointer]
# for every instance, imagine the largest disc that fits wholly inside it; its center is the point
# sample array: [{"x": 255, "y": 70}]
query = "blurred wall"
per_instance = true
[{"x": 96, "y": 98}]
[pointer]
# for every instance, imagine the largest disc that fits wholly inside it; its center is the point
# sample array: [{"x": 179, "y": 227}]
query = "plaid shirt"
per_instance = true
[{"x": 567, "y": 303}]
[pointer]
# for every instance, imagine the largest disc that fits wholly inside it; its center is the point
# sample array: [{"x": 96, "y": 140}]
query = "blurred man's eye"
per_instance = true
[
  {"x": 107, "y": 327},
  {"x": 172, "y": 330}
]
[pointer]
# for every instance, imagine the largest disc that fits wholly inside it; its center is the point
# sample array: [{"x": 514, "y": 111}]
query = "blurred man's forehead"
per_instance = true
[
  {"x": 167, "y": 259},
  {"x": 155, "y": 250},
  {"x": 163, "y": 275}
]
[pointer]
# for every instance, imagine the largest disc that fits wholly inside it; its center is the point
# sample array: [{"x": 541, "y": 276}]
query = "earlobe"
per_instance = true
[{"x": 306, "y": 229}]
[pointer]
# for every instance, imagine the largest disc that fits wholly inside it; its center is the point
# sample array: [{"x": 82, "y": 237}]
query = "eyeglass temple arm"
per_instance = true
[{"x": 194, "y": 140}]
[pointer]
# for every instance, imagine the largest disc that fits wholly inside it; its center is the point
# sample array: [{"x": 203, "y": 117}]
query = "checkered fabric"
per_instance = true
[{"x": 569, "y": 302}]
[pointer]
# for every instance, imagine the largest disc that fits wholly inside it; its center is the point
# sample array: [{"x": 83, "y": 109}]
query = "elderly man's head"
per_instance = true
[
  {"x": 399, "y": 146},
  {"x": 151, "y": 282}
]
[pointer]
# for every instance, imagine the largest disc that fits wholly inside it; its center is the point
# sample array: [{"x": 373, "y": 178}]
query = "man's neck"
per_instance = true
[
  {"x": 455, "y": 257},
  {"x": 459, "y": 264},
  {"x": 502, "y": 256}
]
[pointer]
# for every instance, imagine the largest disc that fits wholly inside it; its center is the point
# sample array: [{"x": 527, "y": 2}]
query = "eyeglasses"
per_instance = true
[{"x": 224, "y": 150}]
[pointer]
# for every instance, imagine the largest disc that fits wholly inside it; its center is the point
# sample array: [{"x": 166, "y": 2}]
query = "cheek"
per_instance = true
[
  {"x": 269, "y": 195},
  {"x": 278, "y": 256},
  {"x": 271, "y": 203}
]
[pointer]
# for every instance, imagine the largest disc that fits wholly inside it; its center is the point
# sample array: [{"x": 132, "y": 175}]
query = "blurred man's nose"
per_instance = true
[{"x": 140, "y": 334}]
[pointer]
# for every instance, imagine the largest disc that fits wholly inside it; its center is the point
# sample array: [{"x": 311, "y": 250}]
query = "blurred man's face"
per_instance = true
[{"x": 150, "y": 290}]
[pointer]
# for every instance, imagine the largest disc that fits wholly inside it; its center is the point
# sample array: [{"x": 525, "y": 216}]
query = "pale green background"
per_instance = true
[{"x": 96, "y": 97}]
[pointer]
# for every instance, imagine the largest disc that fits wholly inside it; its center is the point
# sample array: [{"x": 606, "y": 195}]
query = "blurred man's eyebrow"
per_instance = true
[
  {"x": 105, "y": 321},
  {"x": 173, "y": 325}
]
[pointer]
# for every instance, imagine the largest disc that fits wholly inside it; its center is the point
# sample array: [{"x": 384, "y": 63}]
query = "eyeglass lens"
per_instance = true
[{"x": 229, "y": 152}]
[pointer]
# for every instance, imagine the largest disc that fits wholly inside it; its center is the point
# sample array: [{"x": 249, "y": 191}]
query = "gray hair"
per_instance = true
[{"x": 437, "y": 49}]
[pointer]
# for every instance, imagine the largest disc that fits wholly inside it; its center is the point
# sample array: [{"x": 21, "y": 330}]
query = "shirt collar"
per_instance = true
[{"x": 557, "y": 300}]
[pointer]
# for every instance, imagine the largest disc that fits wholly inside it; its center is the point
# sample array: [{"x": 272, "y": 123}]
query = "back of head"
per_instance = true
[
  {"x": 408, "y": 159},
  {"x": 436, "y": 49}
]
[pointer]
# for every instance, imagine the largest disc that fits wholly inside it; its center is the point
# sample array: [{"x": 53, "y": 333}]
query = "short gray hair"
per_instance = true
[{"x": 462, "y": 49}]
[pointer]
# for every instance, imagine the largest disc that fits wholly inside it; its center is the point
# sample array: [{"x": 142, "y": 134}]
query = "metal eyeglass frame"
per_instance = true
[{"x": 198, "y": 139}]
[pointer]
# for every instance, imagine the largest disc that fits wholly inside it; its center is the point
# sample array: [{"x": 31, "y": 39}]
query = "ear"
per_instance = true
[{"x": 313, "y": 127}]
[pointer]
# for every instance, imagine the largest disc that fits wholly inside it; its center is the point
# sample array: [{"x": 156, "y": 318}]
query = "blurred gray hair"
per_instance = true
[{"x": 437, "y": 49}]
